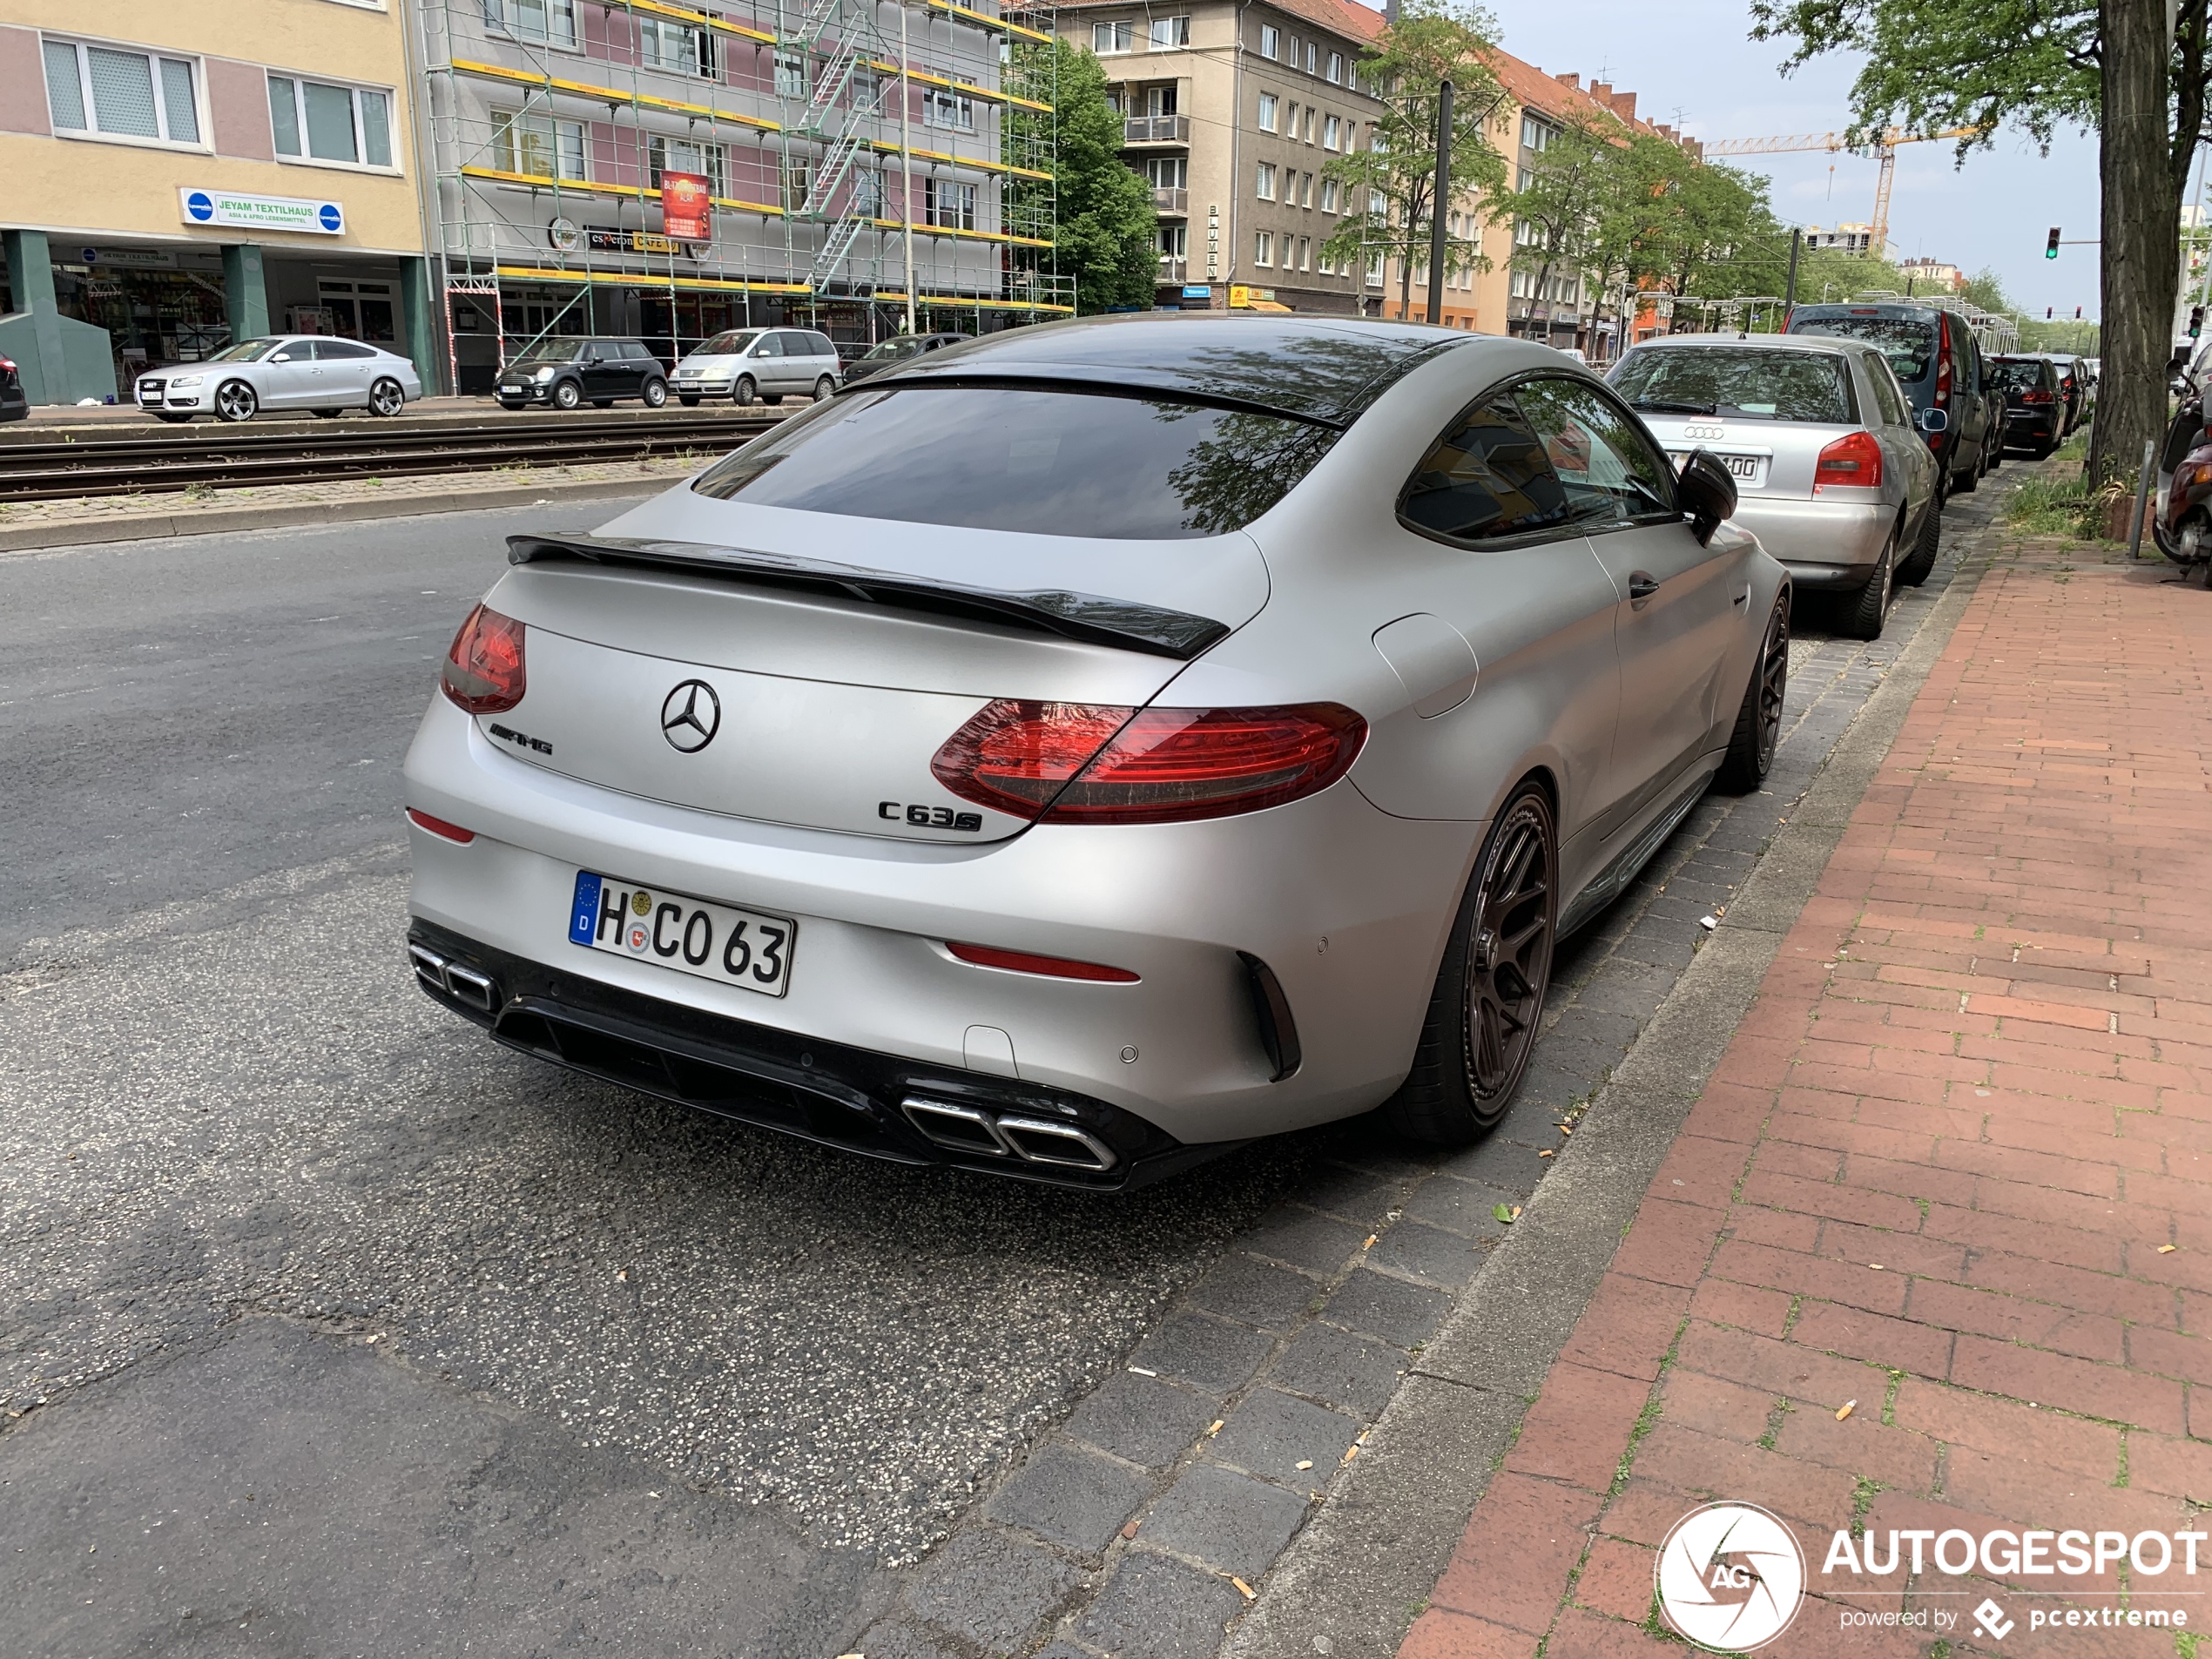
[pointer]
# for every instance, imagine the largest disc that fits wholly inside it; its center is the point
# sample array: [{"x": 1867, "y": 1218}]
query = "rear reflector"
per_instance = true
[
  {"x": 2036, "y": 397},
  {"x": 1023, "y": 961},
  {"x": 1855, "y": 460},
  {"x": 1090, "y": 764},
  {"x": 484, "y": 671},
  {"x": 438, "y": 826}
]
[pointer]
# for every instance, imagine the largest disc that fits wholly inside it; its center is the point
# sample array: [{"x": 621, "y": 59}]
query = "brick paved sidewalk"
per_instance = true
[{"x": 1955, "y": 1166}]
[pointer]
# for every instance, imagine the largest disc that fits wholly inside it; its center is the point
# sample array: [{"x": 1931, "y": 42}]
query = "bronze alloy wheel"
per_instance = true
[
  {"x": 1509, "y": 952},
  {"x": 1774, "y": 684}
]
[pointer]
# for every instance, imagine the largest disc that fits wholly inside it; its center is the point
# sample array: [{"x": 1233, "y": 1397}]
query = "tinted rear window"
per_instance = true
[
  {"x": 1047, "y": 461},
  {"x": 2016, "y": 377},
  {"x": 1908, "y": 343},
  {"x": 1762, "y": 382}
]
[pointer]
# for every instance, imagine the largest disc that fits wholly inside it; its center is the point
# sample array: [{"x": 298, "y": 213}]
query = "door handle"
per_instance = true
[{"x": 1641, "y": 585}]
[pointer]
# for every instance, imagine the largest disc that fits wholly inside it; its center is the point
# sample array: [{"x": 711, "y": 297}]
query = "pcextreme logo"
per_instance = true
[{"x": 1729, "y": 1577}]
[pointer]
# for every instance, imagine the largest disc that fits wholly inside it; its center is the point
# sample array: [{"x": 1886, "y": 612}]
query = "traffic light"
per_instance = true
[
  {"x": 2049, "y": 312},
  {"x": 2196, "y": 320},
  {"x": 2051, "y": 247},
  {"x": 2077, "y": 313}
]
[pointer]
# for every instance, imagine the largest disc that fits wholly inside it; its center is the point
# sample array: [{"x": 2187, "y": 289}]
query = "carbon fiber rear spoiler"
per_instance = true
[{"x": 1122, "y": 624}]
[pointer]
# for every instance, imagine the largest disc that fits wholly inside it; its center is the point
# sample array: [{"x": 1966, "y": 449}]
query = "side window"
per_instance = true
[
  {"x": 636, "y": 350},
  {"x": 1611, "y": 473},
  {"x": 797, "y": 344},
  {"x": 1887, "y": 393},
  {"x": 1485, "y": 479},
  {"x": 770, "y": 346},
  {"x": 338, "y": 350},
  {"x": 820, "y": 345}
]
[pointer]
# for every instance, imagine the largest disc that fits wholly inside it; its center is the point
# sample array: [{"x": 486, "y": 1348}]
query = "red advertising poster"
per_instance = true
[{"x": 685, "y": 206}]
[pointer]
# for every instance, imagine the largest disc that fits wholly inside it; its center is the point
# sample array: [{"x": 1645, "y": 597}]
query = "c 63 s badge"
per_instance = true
[{"x": 929, "y": 817}]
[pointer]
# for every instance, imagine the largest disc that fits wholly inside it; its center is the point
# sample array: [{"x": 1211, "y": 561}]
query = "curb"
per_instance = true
[
  {"x": 142, "y": 526},
  {"x": 1363, "y": 1568}
]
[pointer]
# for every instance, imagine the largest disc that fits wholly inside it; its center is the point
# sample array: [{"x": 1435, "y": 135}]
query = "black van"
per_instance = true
[
  {"x": 1939, "y": 364},
  {"x": 2034, "y": 402}
]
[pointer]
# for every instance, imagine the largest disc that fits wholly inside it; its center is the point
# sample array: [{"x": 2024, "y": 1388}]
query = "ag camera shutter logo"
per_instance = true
[{"x": 1731, "y": 1577}]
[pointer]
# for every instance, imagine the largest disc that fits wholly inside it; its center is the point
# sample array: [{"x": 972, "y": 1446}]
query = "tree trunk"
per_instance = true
[{"x": 2139, "y": 263}]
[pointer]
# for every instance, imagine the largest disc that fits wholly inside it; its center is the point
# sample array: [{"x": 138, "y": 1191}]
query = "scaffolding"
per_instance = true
[{"x": 844, "y": 143}]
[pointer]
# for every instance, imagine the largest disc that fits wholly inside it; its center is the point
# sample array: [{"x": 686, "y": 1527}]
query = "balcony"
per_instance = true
[
  {"x": 1166, "y": 200},
  {"x": 1157, "y": 129},
  {"x": 1173, "y": 269}
]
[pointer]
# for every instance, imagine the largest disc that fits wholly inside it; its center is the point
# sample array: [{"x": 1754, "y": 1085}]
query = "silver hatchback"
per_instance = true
[{"x": 1831, "y": 474}]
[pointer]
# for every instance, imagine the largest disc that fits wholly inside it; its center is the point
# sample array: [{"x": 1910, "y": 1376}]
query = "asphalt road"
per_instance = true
[{"x": 328, "y": 1327}]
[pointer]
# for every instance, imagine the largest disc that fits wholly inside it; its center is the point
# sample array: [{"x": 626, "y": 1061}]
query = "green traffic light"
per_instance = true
[{"x": 2051, "y": 247}]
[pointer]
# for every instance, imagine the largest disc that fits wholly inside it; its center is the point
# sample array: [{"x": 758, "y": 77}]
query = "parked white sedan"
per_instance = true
[{"x": 316, "y": 372}]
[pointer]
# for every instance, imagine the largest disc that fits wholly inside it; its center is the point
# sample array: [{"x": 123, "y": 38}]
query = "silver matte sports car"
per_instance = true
[{"x": 1094, "y": 746}]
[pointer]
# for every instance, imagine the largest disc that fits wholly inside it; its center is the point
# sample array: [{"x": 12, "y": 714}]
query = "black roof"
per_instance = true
[{"x": 1326, "y": 369}]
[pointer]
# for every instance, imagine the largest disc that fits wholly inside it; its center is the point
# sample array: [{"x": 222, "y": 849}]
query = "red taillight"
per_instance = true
[
  {"x": 1855, "y": 460},
  {"x": 2035, "y": 397},
  {"x": 1023, "y": 961},
  {"x": 1943, "y": 359},
  {"x": 439, "y": 827},
  {"x": 483, "y": 672},
  {"x": 1090, "y": 764},
  {"x": 7, "y": 365}
]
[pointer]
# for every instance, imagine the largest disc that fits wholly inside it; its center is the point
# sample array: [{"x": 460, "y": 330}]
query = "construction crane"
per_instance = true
[{"x": 1881, "y": 145}]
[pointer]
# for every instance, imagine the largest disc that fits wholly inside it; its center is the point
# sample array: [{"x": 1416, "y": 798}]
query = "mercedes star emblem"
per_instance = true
[{"x": 690, "y": 717}]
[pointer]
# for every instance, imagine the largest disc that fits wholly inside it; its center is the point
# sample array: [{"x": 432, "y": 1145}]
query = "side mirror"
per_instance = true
[
  {"x": 281, "y": 357},
  {"x": 1933, "y": 421},
  {"x": 1706, "y": 491}
]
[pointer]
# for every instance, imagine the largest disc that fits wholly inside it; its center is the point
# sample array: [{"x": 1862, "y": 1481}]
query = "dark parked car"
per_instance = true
[
  {"x": 1939, "y": 365},
  {"x": 897, "y": 349},
  {"x": 2035, "y": 412},
  {"x": 563, "y": 372},
  {"x": 15, "y": 402},
  {"x": 2074, "y": 388}
]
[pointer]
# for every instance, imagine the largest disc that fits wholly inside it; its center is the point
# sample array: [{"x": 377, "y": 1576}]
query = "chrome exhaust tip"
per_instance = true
[
  {"x": 957, "y": 1128},
  {"x": 977, "y": 1132},
  {"x": 1037, "y": 1140},
  {"x": 463, "y": 983},
  {"x": 429, "y": 967}
]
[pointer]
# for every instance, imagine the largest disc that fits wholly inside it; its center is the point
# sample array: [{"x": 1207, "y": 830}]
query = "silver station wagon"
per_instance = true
[{"x": 1831, "y": 474}]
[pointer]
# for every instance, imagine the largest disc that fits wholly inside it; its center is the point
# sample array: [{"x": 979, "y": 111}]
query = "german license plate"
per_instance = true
[
  {"x": 1749, "y": 469},
  {"x": 513, "y": 391},
  {"x": 716, "y": 942}
]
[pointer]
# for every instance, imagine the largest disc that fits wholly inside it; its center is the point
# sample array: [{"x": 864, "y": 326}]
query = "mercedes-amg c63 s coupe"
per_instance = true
[{"x": 1091, "y": 746}]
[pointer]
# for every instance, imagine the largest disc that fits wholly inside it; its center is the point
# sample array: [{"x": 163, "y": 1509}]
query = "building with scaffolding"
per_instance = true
[{"x": 648, "y": 169}]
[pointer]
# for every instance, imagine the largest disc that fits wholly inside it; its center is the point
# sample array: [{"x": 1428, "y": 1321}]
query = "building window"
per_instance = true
[
  {"x": 1160, "y": 99},
  {"x": 1311, "y": 51},
  {"x": 537, "y": 144},
  {"x": 680, "y": 155},
  {"x": 1168, "y": 172},
  {"x": 1332, "y": 133},
  {"x": 1329, "y": 195},
  {"x": 949, "y": 204},
  {"x": 1267, "y": 112},
  {"x": 1290, "y": 121},
  {"x": 674, "y": 47},
  {"x": 1263, "y": 248},
  {"x": 1328, "y": 263},
  {"x": 552, "y": 21},
  {"x": 1307, "y": 134},
  {"x": 1535, "y": 134},
  {"x": 791, "y": 75},
  {"x": 941, "y": 108},
  {"x": 868, "y": 194},
  {"x": 1306, "y": 189},
  {"x": 1169, "y": 32},
  {"x": 1263, "y": 183},
  {"x": 1290, "y": 51},
  {"x": 122, "y": 94},
  {"x": 1336, "y": 68},
  {"x": 1107, "y": 38},
  {"x": 794, "y": 182},
  {"x": 1374, "y": 271},
  {"x": 1304, "y": 253},
  {"x": 316, "y": 121},
  {"x": 1269, "y": 41},
  {"x": 1175, "y": 241}
]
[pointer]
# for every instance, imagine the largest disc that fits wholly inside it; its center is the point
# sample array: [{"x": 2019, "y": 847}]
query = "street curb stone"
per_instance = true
[{"x": 1362, "y": 1568}]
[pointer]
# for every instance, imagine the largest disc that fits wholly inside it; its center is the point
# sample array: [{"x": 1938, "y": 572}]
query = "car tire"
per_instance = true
[
  {"x": 744, "y": 393},
  {"x": 1488, "y": 1000},
  {"x": 825, "y": 390},
  {"x": 656, "y": 394},
  {"x": 1758, "y": 721},
  {"x": 688, "y": 402},
  {"x": 603, "y": 402},
  {"x": 173, "y": 419},
  {"x": 328, "y": 414},
  {"x": 1865, "y": 611},
  {"x": 1965, "y": 483},
  {"x": 566, "y": 394},
  {"x": 235, "y": 400},
  {"x": 387, "y": 398},
  {"x": 1922, "y": 559},
  {"x": 773, "y": 399}
]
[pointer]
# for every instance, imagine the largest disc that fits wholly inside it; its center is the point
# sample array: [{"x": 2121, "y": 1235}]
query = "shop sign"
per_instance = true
[
  {"x": 1193, "y": 292},
  {"x": 605, "y": 241},
  {"x": 138, "y": 259},
  {"x": 261, "y": 213},
  {"x": 1213, "y": 244},
  {"x": 685, "y": 205},
  {"x": 564, "y": 236}
]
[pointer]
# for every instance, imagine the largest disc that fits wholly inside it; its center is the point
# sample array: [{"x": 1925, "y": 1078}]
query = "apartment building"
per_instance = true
[
  {"x": 184, "y": 174},
  {"x": 639, "y": 167},
  {"x": 1231, "y": 110}
]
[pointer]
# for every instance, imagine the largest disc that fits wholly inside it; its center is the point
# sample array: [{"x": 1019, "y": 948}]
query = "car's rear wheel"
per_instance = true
[
  {"x": 1922, "y": 560},
  {"x": 235, "y": 401},
  {"x": 567, "y": 395},
  {"x": 1489, "y": 996},
  {"x": 825, "y": 390},
  {"x": 656, "y": 394},
  {"x": 1865, "y": 611},
  {"x": 387, "y": 398},
  {"x": 1758, "y": 722},
  {"x": 743, "y": 393},
  {"x": 1965, "y": 483}
]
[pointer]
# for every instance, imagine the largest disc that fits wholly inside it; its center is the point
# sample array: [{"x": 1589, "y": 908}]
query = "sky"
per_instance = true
[{"x": 1694, "y": 66}]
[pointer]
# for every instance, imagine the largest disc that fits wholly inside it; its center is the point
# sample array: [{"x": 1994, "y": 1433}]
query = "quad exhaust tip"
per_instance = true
[
  {"x": 454, "y": 979},
  {"x": 984, "y": 1134}
]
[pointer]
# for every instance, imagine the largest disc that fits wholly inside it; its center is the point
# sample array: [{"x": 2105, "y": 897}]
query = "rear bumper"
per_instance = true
[
  {"x": 1822, "y": 544},
  {"x": 2030, "y": 426}
]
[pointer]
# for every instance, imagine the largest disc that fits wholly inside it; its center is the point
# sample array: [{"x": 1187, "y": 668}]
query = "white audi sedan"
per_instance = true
[
  {"x": 1092, "y": 746},
  {"x": 316, "y": 372}
]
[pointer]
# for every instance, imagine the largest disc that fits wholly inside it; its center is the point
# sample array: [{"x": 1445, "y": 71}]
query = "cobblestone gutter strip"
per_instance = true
[
  {"x": 135, "y": 518},
  {"x": 1362, "y": 1569}
]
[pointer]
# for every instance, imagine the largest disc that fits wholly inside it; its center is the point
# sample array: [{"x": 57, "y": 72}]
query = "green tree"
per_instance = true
[
  {"x": 2111, "y": 65},
  {"x": 1106, "y": 234},
  {"x": 1389, "y": 186}
]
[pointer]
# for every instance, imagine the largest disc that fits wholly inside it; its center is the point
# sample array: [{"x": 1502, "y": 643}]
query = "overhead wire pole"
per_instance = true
[
  {"x": 907, "y": 160},
  {"x": 1441, "y": 193}
]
